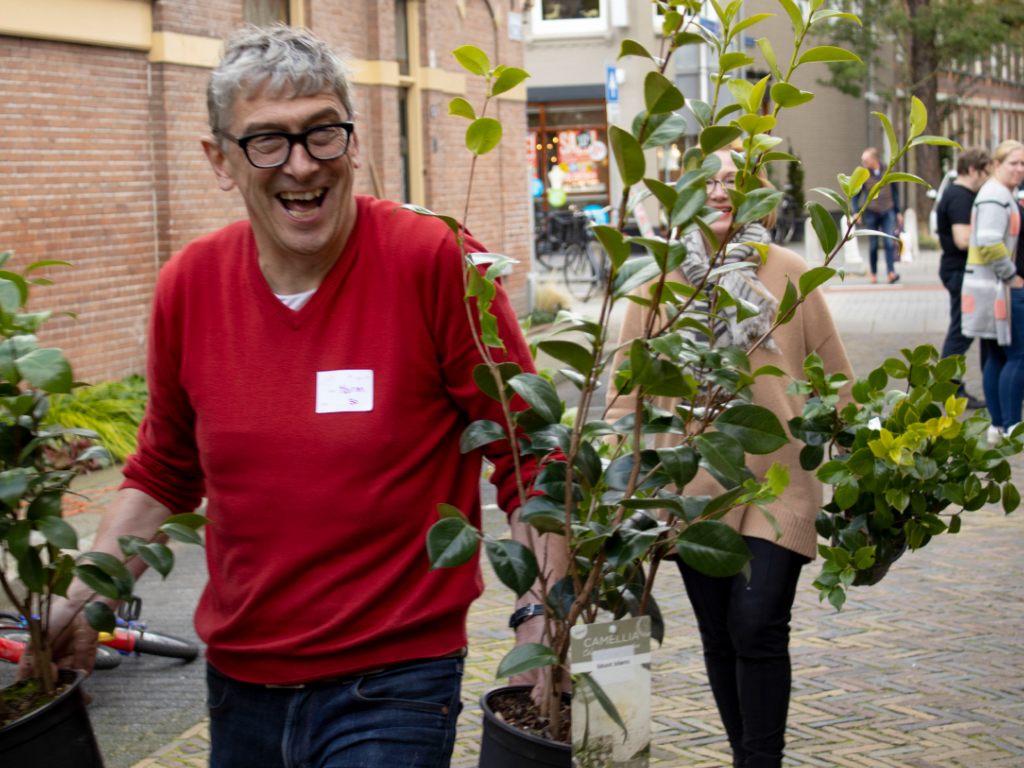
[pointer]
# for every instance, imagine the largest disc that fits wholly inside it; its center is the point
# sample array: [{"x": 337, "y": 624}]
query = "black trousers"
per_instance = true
[
  {"x": 744, "y": 628},
  {"x": 956, "y": 343}
]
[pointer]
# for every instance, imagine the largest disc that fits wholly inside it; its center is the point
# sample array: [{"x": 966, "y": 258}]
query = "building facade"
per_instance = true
[{"x": 102, "y": 106}]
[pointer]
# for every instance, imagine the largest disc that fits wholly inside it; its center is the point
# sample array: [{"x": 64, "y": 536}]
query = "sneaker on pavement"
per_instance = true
[{"x": 995, "y": 434}]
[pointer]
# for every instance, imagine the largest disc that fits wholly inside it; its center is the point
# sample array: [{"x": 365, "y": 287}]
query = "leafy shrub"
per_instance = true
[{"x": 113, "y": 410}]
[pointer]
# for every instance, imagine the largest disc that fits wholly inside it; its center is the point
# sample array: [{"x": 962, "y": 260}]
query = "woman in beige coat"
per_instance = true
[{"x": 745, "y": 626}]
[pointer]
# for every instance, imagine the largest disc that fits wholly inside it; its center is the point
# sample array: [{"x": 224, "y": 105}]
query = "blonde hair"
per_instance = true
[
  {"x": 768, "y": 220},
  {"x": 1005, "y": 149}
]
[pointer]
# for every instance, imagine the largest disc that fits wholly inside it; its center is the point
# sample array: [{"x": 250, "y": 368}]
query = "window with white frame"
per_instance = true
[{"x": 569, "y": 18}]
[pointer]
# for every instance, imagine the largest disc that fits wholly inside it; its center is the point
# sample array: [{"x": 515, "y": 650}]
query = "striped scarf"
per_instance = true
[{"x": 740, "y": 283}]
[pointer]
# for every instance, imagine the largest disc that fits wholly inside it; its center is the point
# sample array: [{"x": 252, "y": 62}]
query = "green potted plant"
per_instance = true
[
  {"x": 43, "y": 719},
  {"x": 617, "y": 508},
  {"x": 904, "y": 466}
]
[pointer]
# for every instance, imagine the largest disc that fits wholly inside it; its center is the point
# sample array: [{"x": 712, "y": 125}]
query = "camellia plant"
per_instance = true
[
  {"x": 901, "y": 461},
  {"x": 35, "y": 542},
  {"x": 617, "y": 507}
]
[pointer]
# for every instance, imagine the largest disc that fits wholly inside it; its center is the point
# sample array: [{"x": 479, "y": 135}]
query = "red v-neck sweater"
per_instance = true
[{"x": 316, "y": 546}]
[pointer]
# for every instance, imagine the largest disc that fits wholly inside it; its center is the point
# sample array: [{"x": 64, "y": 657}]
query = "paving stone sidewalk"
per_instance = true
[{"x": 919, "y": 671}]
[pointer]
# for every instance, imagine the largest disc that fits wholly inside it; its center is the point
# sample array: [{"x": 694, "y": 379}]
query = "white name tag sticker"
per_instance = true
[{"x": 344, "y": 391}]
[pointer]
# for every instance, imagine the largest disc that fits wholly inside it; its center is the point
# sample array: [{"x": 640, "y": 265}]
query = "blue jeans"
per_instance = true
[
  {"x": 1003, "y": 374},
  {"x": 881, "y": 222},
  {"x": 404, "y": 716},
  {"x": 744, "y": 628}
]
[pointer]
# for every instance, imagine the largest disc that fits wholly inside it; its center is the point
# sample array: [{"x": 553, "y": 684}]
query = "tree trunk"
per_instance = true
[{"x": 924, "y": 84}]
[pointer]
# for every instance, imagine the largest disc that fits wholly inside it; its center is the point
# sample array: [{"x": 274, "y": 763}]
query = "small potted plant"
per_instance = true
[
  {"x": 43, "y": 719},
  {"x": 903, "y": 465}
]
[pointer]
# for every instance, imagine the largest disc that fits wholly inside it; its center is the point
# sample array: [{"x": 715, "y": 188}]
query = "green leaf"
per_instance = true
[
  {"x": 10, "y": 297},
  {"x": 713, "y": 548},
  {"x": 485, "y": 380},
  {"x": 508, "y": 79},
  {"x": 525, "y": 657},
  {"x": 451, "y": 542},
  {"x": 660, "y": 95},
  {"x": 918, "y": 117},
  {"x": 473, "y": 59},
  {"x": 666, "y": 194},
  {"x": 757, "y": 205},
  {"x": 701, "y": 110},
  {"x": 825, "y": 53},
  {"x": 723, "y": 453},
  {"x": 890, "y": 133},
  {"x": 889, "y": 178},
  {"x": 572, "y": 353},
  {"x": 789, "y": 299},
  {"x": 46, "y": 263},
  {"x": 614, "y": 243},
  {"x": 939, "y": 141},
  {"x": 19, "y": 281},
  {"x": 30, "y": 571},
  {"x": 483, "y": 135},
  {"x": 189, "y": 520},
  {"x": 756, "y": 428},
  {"x": 158, "y": 557},
  {"x": 592, "y": 689},
  {"x": 715, "y": 137},
  {"x": 461, "y": 108},
  {"x": 13, "y": 484},
  {"x": 824, "y": 227},
  {"x": 1011, "y": 498},
  {"x": 812, "y": 278},
  {"x": 741, "y": 90},
  {"x": 734, "y": 60},
  {"x": 513, "y": 563},
  {"x": 100, "y": 617},
  {"x": 689, "y": 203},
  {"x": 97, "y": 581},
  {"x": 794, "y": 15},
  {"x": 46, "y": 504},
  {"x": 663, "y": 129},
  {"x": 450, "y": 221},
  {"x": 629, "y": 157},
  {"x": 540, "y": 394},
  {"x": 633, "y": 48},
  {"x": 47, "y": 369},
  {"x": 750, "y": 21},
  {"x": 58, "y": 532},
  {"x": 828, "y": 14},
  {"x": 769, "y": 56},
  {"x": 181, "y": 533},
  {"x": 680, "y": 463},
  {"x": 788, "y": 96},
  {"x": 479, "y": 434}
]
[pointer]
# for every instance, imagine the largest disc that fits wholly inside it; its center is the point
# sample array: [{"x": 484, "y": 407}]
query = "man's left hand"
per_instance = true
[{"x": 532, "y": 631}]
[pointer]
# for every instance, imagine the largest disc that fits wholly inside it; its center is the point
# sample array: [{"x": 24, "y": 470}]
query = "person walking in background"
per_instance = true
[
  {"x": 744, "y": 620},
  {"x": 953, "y": 214},
  {"x": 992, "y": 302},
  {"x": 882, "y": 215}
]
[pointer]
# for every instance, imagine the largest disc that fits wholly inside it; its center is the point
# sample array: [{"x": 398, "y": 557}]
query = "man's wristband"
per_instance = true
[{"x": 524, "y": 613}]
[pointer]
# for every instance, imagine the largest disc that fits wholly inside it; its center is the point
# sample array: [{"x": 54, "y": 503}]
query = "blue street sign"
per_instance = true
[{"x": 611, "y": 84}]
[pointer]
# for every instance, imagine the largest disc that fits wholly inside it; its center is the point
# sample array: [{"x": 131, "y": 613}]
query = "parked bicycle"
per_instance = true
[
  {"x": 131, "y": 636},
  {"x": 556, "y": 233},
  {"x": 585, "y": 267}
]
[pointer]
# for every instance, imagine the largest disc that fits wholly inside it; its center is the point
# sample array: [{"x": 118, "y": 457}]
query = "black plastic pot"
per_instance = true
[
  {"x": 58, "y": 734},
  {"x": 503, "y": 746},
  {"x": 881, "y": 566}
]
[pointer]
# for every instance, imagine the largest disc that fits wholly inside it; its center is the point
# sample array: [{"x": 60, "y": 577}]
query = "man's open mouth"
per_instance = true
[{"x": 302, "y": 205}]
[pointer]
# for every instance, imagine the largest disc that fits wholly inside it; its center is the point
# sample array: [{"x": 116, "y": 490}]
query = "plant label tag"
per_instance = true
[
  {"x": 613, "y": 662},
  {"x": 344, "y": 391}
]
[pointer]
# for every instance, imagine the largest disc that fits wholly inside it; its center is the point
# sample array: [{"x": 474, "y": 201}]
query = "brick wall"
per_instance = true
[{"x": 103, "y": 165}]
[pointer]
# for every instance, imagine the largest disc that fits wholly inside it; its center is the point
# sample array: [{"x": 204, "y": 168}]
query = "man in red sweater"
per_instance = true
[{"x": 310, "y": 374}]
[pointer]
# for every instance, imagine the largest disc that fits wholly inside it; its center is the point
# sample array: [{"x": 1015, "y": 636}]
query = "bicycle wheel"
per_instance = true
[
  {"x": 156, "y": 644},
  {"x": 580, "y": 272},
  {"x": 106, "y": 658}
]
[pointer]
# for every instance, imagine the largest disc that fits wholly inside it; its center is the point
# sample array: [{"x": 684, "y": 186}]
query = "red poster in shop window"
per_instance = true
[
  {"x": 531, "y": 153},
  {"x": 576, "y": 161}
]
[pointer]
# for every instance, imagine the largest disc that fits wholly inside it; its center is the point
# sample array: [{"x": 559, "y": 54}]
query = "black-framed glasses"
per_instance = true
[{"x": 273, "y": 148}]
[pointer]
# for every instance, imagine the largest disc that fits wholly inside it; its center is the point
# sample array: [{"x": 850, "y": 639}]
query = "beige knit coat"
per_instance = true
[{"x": 811, "y": 330}]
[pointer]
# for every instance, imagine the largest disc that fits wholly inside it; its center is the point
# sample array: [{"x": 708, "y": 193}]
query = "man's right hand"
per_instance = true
[
  {"x": 1018, "y": 282},
  {"x": 74, "y": 647}
]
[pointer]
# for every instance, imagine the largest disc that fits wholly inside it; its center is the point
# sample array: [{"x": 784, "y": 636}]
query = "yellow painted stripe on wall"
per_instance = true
[
  {"x": 114, "y": 23},
  {"x": 190, "y": 50}
]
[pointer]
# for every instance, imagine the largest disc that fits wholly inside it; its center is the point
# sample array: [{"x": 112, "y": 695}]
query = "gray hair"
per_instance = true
[{"x": 287, "y": 61}]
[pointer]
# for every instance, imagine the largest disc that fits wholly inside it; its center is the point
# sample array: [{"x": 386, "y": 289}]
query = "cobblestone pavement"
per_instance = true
[{"x": 921, "y": 670}]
